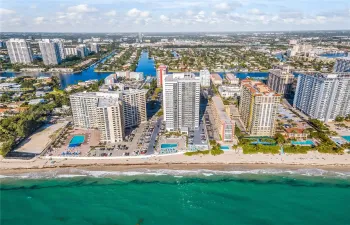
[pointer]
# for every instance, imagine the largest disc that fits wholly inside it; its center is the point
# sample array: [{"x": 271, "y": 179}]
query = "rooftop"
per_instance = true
[
  {"x": 258, "y": 88},
  {"x": 220, "y": 108}
]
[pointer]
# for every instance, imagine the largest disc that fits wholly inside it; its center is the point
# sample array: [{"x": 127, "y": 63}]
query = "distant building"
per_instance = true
[
  {"x": 19, "y": 51},
  {"x": 82, "y": 51},
  {"x": 227, "y": 91},
  {"x": 162, "y": 70},
  {"x": 36, "y": 101},
  {"x": 258, "y": 108},
  {"x": 50, "y": 52},
  {"x": 222, "y": 122},
  {"x": 94, "y": 47},
  {"x": 70, "y": 51},
  {"x": 323, "y": 96},
  {"x": 216, "y": 79},
  {"x": 181, "y": 102},
  {"x": 280, "y": 81},
  {"x": 60, "y": 43},
  {"x": 342, "y": 65},
  {"x": 205, "y": 78},
  {"x": 232, "y": 79}
]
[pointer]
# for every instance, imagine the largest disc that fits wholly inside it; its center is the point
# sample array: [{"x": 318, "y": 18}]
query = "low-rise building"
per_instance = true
[
  {"x": 216, "y": 79},
  {"x": 227, "y": 91},
  {"x": 232, "y": 79}
]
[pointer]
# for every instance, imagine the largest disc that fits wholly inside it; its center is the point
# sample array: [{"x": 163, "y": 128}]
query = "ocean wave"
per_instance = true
[{"x": 72, "y": 173}]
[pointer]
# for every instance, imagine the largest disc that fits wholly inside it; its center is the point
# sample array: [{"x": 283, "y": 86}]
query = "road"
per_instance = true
[{"x": 150, "y": 149}]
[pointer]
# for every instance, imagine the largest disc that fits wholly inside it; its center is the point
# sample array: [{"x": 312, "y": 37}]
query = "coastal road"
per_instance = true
[{"x": 150, "y": 149}]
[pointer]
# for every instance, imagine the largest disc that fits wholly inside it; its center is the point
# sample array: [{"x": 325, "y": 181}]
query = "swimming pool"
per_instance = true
[
  {"x": 224, "y": 147},
  {"x": 77, "y": 140},
  {"x": 168, "y": 145},
  {"x": 347, "y": 138},
  {"x": 307, "y": 142}
]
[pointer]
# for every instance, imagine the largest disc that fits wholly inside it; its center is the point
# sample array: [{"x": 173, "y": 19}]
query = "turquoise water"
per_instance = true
[
  {"x": 77, "y": 140},
  {"x": 168, "y": 145},
  {"x": 257, "y": 197},
  {"x": 347, "y": 138},
  {"x": 225, "y": 148},
  {"x": 306, "y": 142}
]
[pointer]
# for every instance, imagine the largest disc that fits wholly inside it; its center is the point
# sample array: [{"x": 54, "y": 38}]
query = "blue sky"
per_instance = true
[{"x": 172, "y": 15}]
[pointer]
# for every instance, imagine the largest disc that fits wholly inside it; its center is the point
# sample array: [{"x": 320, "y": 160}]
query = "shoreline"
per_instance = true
[{"x": 225, "y": 161}]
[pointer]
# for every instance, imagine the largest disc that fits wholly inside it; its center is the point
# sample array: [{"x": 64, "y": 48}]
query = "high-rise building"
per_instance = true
[
  {"x": 107, "y": 111},
  {"x": 50, "y": 52},
  {"x": 181, "y": 102},
  {"x": 82, "y": 51},
  {"x": 110, "y": 119},
  {"x": 140, "y": 37},
  {"x": 19, "y": 51},
  {"x": 222, "y": 122},
  {"x": 70, "y": 51},
  {"x": 342, "y": 65},
  {"x": 280, "y": 81},
  {"x": 162, "y": 70},
  {"x": 323, "y": 96},
  {"x": 205, "y": 78},
  {"x": 94, "y": 47},
  {"x": 258, "y": 108}
]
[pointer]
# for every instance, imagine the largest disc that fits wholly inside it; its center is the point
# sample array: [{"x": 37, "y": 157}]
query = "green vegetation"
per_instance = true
[
  {"x": 204, "y": 152},
  {"x": 215, "y": 148},
  {"x": 296, "y": 149},
  {"x": 160, "y": 112},
  {"x": 266, "y": 149}
]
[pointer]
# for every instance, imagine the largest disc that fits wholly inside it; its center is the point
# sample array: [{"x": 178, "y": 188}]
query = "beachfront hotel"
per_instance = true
[
  {"x": 323, "y": 96},
  {"x": 162, "y": 70},
  {"x": 19, "y": 51},
  {"x": 258, "y": 108},
  {"x": 50, "y": 52},
  {"x": 110, "y": 112},
  {"x": 223, "y": 123},
  {"x": 181, "y": 102},
  {"x": 281, "y": 81}
]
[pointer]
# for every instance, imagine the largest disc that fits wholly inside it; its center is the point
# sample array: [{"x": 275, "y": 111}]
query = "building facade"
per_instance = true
[
  {"x": 50, "y": 52},
  {"x": 229, "y": 91},
  {"x": 205, "y": 78},
  {"x": 181, "y": 102},
  {"x": 19, "y": 51},
  {"x": 110, "y": 112},
  {"x": 232, "y": 79},
  {"x": 281, "y": 81},
  {"x": 82, "y": 51},
  {"x": 70, "y": 51},
  {"x": 342, "y": 65},
  {"x": 94, "y": 47},
  {"x": 162, "y": 70},
  {"x": 223, "y": 123},
  {"x": 216, "y": 79},
  {"x": 323, "y": 96},
  {"x": 258, "y": 108}
]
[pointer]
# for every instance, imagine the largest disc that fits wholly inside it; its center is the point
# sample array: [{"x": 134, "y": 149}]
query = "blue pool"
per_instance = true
[
  {"x": 347, "y": 138},
  {"x": 225, "y": 148},
  {"x": 307, "y": 142},
  {"x": 76, "y": 140},
  {"x": 168, "y": 145}
]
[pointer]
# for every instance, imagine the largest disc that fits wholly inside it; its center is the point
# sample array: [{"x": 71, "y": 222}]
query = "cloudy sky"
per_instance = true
[{"x": 172, "y": 15}]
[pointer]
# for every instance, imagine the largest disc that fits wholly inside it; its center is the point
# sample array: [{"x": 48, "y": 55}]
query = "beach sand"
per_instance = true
[{"x": 180, "y": 161}]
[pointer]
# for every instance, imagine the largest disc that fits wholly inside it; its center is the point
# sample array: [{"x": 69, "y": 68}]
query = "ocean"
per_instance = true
[{"x": 239, "y": 196}]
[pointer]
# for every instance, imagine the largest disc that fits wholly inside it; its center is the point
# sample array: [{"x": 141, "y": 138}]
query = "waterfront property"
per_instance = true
[{"x": 303, "y": 143}]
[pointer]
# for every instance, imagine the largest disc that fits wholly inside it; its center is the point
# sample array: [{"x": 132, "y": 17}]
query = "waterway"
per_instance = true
[
  {"x": 146, "y": 65},
  {"x": 335, "y": 55}
]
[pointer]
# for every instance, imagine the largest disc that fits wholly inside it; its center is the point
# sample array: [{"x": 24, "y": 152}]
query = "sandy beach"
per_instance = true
[{"x": 178, "y": 161}]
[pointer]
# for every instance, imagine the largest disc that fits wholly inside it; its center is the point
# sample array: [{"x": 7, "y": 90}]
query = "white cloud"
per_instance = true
[
  {"x": 222, "y": 6},
  {"x": 39, "y": 20},
  {"x": 138, "y": 13},
  {"x": 82, "y": 8},
  {"x": 111, "y": 13},
  {"x": 6, "y": 11}
]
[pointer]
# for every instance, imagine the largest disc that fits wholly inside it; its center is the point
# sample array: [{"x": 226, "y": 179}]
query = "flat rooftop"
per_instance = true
[
  {"x": 258, "y": 88},
  {"x": 220, "y": 108}
]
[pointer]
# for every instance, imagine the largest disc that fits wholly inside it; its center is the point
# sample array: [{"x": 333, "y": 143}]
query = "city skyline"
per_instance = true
[{"x": 178, "y": 16}]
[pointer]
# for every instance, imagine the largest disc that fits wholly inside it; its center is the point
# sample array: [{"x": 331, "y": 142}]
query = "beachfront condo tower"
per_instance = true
[
  {"x": 205, "y": 78},
  {"x": 50, "y": 52},
  {"x": 19, "y": 51},
  {"x": 258, "y": 108},
  {"x": 223, "y": 123},
  {"x": 96, "y": 109},
  {"x": 181, "y": 102},
  {"x": 323, "y": 96},
  {"x": 281, "y": 81}
]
